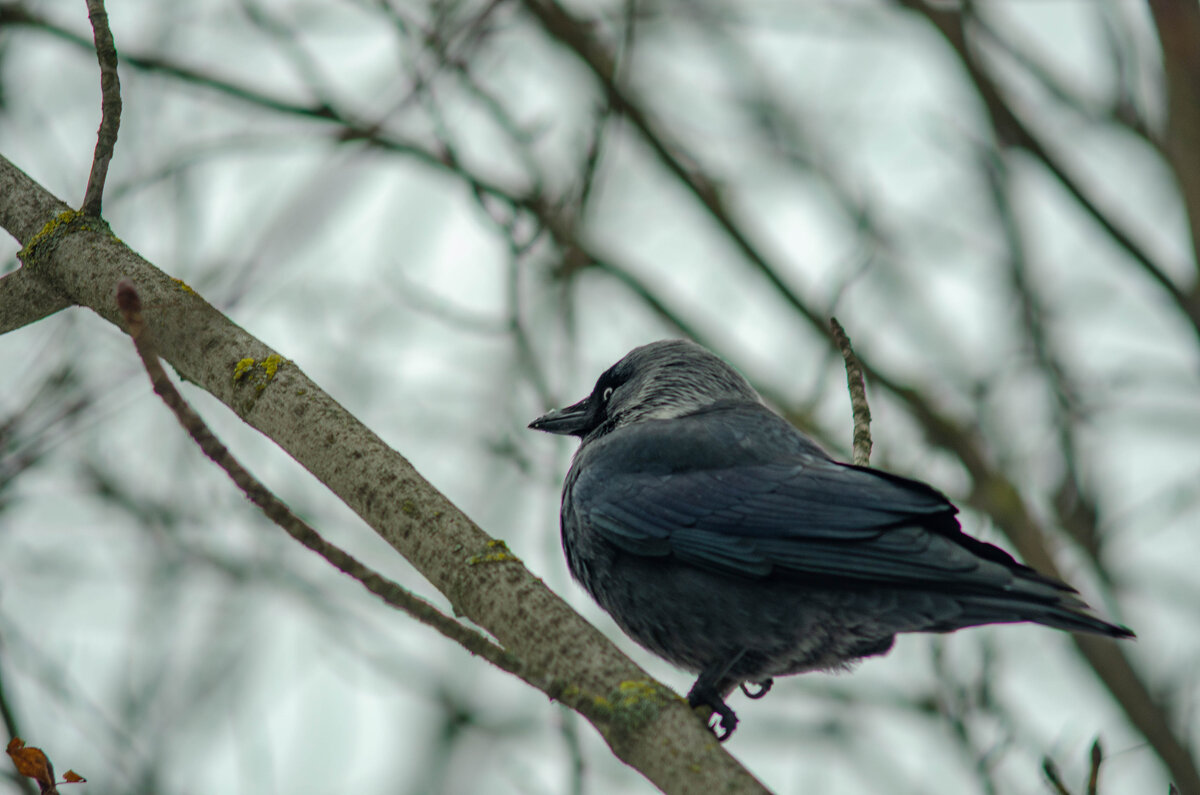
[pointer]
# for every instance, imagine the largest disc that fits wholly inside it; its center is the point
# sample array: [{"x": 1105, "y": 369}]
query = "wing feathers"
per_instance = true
[{"x": 795, "y": 520}]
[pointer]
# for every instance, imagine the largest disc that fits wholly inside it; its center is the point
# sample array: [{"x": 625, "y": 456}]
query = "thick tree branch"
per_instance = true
[
  {"x": 653, "y": 732},
  {"x": 26, "y": 299}
]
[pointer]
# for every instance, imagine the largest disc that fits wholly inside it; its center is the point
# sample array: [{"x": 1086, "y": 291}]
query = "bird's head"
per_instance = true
[{"x": 659, "y": 381}]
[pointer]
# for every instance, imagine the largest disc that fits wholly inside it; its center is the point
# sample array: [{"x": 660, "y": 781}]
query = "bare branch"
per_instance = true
[
  {"x": 15, "y": 14},
  {"x": 1012, "y": 130},
  {"x": 1120, "y": 113},
  {"x": 1097, "y": 756},
  {"x": 1075, "y": 509},
  {"x": 577, "y": 36},
  {"x": 31, "y": 216},
  {"x": 110, "y": 107},
  {"x": 1053, "y": 777},
  {"x": 25, "y": 299},
  {"x": 858, "y": 396},
  {"x": 24, "y": 209}
]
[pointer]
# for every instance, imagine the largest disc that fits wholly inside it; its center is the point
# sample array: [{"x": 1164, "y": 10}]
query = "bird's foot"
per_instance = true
[
  {"x": 764, "y": 687},
  {"x": 704, "y": 697}
]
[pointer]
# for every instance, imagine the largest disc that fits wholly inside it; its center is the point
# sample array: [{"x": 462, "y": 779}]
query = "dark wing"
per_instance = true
[{"x": 742, "y": 493}]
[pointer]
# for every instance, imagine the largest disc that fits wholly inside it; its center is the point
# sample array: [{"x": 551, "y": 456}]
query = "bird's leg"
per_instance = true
[
  {"x": 706, "y": 695},
  {"x": 764, "y": 687},
  {"x": 710, "y": 690}
]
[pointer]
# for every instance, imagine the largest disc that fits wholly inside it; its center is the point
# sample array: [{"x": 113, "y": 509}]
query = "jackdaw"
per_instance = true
[{"x": 722, "y": 539}]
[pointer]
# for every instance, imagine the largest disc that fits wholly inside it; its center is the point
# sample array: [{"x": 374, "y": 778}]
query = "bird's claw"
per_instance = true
[
  {"x": 764, "y": 687},
  {"x": 723, "y": 728}
]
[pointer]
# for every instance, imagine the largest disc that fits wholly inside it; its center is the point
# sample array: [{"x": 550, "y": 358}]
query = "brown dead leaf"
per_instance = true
[{"x": 31, "y": 762}]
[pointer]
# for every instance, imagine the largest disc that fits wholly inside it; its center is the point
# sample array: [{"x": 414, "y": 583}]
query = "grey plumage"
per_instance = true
[{"x": 724, "y": 540}]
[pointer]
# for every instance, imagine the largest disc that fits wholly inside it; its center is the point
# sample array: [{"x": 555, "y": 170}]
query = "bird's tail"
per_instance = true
[
  {"x": 1039, "y": 599},
  {"x": 1072, "y": 615}
]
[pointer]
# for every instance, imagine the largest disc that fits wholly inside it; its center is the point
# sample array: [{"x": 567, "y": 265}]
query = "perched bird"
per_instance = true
[{"x": 722, "y": 539}]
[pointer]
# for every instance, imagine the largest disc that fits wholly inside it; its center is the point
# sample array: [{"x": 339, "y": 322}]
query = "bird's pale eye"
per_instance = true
[{"x": 606, "y": 394}]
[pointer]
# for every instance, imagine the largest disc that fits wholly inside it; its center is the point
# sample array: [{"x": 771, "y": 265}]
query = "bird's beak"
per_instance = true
[{"x": 574, "y": 420}]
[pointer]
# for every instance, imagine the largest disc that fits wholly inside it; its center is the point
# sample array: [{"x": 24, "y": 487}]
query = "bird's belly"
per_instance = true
[{"x": 695, "y": 619}]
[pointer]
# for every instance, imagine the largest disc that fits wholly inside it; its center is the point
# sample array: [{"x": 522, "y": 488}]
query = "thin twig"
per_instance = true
[
  {"x": 1093, "y": 784},
  {"x": 24, "y": 784},
  {"x": 110, "y": 107},
  {"x": 1051, "y": 771},
  {"x": 388, "y": 590},
  {"x": 858, "y": 396}
]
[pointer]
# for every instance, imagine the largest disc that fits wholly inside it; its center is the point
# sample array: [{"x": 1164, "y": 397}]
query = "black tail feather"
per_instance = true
[{"x": 1066, "y": 613}]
